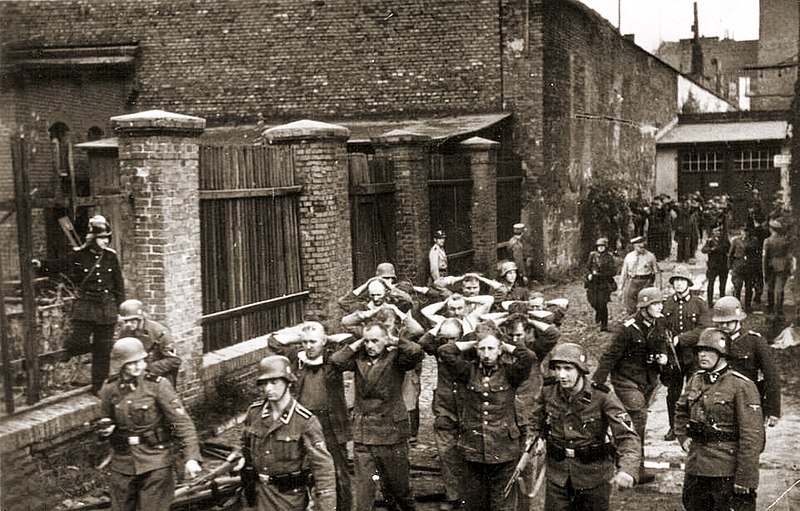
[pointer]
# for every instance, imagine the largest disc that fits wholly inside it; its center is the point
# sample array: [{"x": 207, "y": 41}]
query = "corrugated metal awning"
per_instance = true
[{"x": 724, "y": 132}]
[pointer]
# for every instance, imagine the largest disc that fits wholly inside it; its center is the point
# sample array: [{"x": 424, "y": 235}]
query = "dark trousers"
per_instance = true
[
  {"x": 636, "y": 400},
  {"x": 390, "y": 464},
  {"x": 746, "y": 280},
  {"x": 714, "y": 494},
  {"x": 567, "y": 498},
  {"x": 674, "y": 382},
  {"x": 344, "y": 495},
  {"x": 151, "y": 491},
  {"x": 89, "y": 337},
  {"x": 713, "y": 274},
  {"x": 684, "y": 247},
  {"x": 483, "y": 486}
]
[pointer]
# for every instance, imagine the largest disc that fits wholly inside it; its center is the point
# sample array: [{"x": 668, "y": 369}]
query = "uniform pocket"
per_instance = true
[
  {"x": 143, "y": 412},
  {"x": 287, "y": 447}
]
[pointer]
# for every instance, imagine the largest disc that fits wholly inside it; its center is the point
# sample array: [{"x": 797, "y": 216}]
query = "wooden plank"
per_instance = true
[
  {"x": 237, "y": 193},
  {"x": 236, "y": 311},
  {"x": 24, "y": 237},
  {"x": 5, "y": 349},
  {"x": 449, "y": 182},
  {"x": 372, "y": 189}
]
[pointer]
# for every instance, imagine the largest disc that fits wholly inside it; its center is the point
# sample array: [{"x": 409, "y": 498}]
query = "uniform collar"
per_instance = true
[
  {"x": 736, "y": 334},
  {"x": 286, "y": 415},
  {"x": 682, "y": 297}
]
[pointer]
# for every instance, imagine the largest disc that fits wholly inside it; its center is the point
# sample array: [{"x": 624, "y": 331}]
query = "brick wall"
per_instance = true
[
  {"x": 288, "y": 59},
  {"x": 778, "y": 21},
  {"x": 604, "y": 99}
]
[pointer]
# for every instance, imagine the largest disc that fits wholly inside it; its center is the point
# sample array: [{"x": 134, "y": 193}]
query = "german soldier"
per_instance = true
[
  {"x": 750, "y": 354},
  {"x": 572, "y": 417},
  {"x": 162, "y": 358},
  {"x": 683, "y": 313},
  {"x": 718, "y": 422},
  {"x": 634, "y": 359},
  {"x": 320, "y": 388},
  {"x": 143, "y": 413},
  {"x": 284, "y": 445},
  {"x": 95, "y": 270}
]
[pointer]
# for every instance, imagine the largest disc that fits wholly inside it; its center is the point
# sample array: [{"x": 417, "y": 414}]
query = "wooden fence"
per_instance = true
[
  {"x": 250, "y": 243},
  {"x": 372, "y": 219},
  {"x": 450, "y": 193}
]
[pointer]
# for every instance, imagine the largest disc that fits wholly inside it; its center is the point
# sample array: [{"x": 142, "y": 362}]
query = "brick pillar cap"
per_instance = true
[
  {"x": 401, "y": 137},
  {"x": 479, "y": 144},
  {"x": 158, "y": 122},
  {"x": 305, "y": 130}
]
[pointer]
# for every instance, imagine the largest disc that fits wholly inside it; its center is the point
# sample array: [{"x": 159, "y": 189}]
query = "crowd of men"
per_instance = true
[{"x": 508, "y": 389}]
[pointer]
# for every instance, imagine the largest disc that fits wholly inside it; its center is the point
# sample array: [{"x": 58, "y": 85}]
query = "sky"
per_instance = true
[{"x": 653, "y": 21}]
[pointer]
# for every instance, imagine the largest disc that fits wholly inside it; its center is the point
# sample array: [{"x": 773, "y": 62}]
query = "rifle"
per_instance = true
[
  {"x": 673, "y": 351},
  {"x": 523, "y": 461},
  {"x": 225, "y": 467}
]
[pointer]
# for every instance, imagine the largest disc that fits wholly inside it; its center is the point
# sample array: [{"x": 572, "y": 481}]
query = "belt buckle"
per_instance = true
[
  {"x": 569, "y": 453},
  {"x": 134, "y": 440},
  {"x": 264, "y": 478}
]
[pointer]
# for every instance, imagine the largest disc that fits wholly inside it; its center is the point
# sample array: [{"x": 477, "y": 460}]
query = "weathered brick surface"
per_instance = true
[
  {"x": 320, "y": 162},
  {"x": 483, "y": 169},
  {"x": 410, "y": 153},
  {"x": 160, "y": 172}
]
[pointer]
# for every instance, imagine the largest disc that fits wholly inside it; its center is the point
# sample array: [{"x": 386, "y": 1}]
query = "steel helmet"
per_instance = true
[
  {"x": 385, "y": 270},
  {"x": 507, "y": 266},
  {"x": 570, "y": 353},
  {"x": 649, "y": 296},
  {"x": 728, "y": 308},
  {"x": 131, "y": 309},
  {"x": 681, "y": 272},
  {"x": 601, "y": 241},
  {"x": 713, "y": 339},
  {"x": 125, "y": 350},
  {"x": 275, "y": 366}
]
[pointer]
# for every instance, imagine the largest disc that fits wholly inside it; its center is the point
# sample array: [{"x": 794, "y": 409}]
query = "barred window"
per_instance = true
[
  {"x": 756, "y": 159},
  {"x": 701, "y": 161}
]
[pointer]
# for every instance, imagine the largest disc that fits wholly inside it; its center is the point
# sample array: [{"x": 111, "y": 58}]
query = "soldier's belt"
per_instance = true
[
  {"x": 586, "y": 454},
  {"x": 286, "y": 482},
  {"x": 714, "y": 436},
  {"x": 122, "y": 442}
]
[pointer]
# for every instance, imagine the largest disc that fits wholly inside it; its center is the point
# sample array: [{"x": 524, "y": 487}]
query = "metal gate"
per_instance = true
[{"x": 372, "y": 220}]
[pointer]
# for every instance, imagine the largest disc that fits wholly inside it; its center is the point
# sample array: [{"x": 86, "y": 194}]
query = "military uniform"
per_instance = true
[
  {"x": 749, "y": 354},
  {"x": 580, "y": 458},
  {"x": 777, "y": 260},
  {"x": 320, "y": 387},
  {"x": 97, "y": 274},
  {"x": 148, "y": 415},
  {"x": 490, "y": 439},
  {"x": 743, "y": 260},
  {"x": 284, "y": 453},
  {"x": 380, "y": 421},
  {"x": 721, "y": 413},
  {"x": 634, "y": 373},
  {"x": 682, "y": 314},
  {"x": 162, "y": 358}
]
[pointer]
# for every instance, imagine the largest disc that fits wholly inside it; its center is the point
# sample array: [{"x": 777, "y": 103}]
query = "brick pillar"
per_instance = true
[
  {"x": 320, "y": 161},
  {"x": 411, "y": 157},
  {"x": 158, "y": 158},
  {"x": 483, "y": 167}
]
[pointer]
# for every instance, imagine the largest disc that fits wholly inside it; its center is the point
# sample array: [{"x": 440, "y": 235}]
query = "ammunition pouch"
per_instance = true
[{"x": 587, "y": 454}]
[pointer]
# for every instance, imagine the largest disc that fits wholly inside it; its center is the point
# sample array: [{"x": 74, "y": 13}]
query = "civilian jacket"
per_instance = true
[{"x": 379, "y": 413}]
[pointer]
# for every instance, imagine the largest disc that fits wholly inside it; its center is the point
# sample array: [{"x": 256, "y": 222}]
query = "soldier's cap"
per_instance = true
[
  {"x": 601, "y": 241},
  {"x": 638, "y": 239},
  {"x": 519, "y": 227},
  {"x": 439, "y": 233}
]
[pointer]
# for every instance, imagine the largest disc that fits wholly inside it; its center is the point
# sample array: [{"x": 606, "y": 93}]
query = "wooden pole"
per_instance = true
[
  {"x": 5, "y": 351},
  {"x": 23, "y": 206}
]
